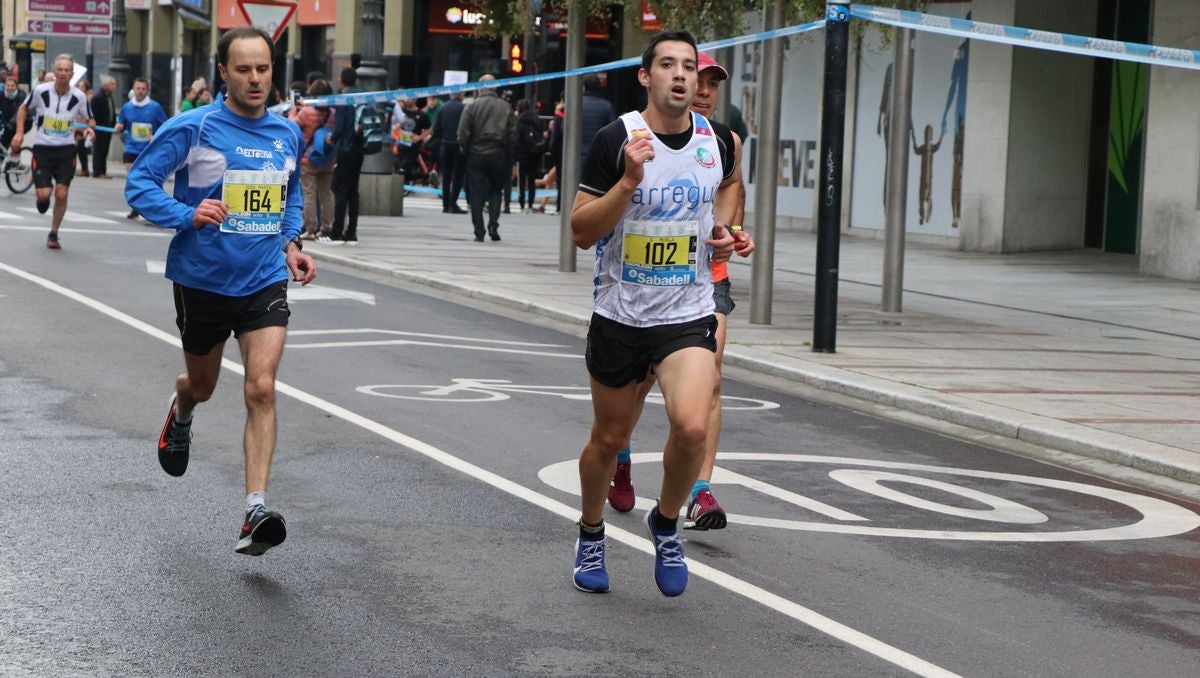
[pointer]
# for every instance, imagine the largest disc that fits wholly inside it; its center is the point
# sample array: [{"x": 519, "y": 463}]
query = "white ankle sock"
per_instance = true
[{"x": 256, "y": 499}]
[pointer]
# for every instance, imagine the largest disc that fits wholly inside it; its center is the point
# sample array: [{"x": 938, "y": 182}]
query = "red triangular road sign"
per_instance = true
[{"x": 273, "y": 17}]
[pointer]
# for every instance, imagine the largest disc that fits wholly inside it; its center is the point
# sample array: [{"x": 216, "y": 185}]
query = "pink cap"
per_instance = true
[{"x": 705, "y": 62}]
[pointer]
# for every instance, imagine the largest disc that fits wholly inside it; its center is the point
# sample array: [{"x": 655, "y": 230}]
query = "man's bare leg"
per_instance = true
[
  {"x": 686, "y": 378},
  {"x": 199, "y": 380},
  {"x": 61, "y": 191},
  {"x": 614, "y": 411},
  {"x": 261, "y": 350}
]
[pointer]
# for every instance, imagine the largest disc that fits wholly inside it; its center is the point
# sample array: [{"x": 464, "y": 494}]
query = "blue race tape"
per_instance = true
[
  {"x": 392, "y": 96},
  {"x": 99, "y": 128},
  {"x": 1024, "y": 37}
]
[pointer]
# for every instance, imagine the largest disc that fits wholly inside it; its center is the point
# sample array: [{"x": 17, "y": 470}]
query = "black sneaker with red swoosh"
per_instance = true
[
  {"x": 174, "y": 444},
  {"x": 262, "y": 530}
]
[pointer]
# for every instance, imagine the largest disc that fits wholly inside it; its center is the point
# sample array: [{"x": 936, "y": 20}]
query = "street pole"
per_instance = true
[
  {"x": 900, "y": 121},
  {"x": 762, "y": 266},
  {"x": 372, "y": 76},
  {"x": 572, "y": 132},
  {"x": 829, "y": 189},
  {"x": 118, "y": 66}
]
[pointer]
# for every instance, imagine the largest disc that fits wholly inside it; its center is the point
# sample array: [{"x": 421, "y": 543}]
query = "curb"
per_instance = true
[{"x": 1115, "y": 448}]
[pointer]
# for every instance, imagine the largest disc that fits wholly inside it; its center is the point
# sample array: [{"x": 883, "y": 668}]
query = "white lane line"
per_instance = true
[
  {"x": 148, "y": 233},
  {"x": 323, "y": 293},
  {"x": 73, "y": 216},
  {"x": 156, "y": 266},
  {"x": 730, "y": 583},
  {"x": 423, "y": 335},
  {"x": 410, "y": 342}
]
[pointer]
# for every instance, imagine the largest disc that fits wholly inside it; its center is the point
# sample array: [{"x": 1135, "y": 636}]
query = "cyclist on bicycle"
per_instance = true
[{"x": 9, "y": 103}]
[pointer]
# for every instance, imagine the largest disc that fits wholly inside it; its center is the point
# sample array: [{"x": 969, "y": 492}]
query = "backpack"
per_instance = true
[
  {"x": 369, "y": 123},
  {"x": 322, "y": 151},
  {"x": 530, "y": 141}
]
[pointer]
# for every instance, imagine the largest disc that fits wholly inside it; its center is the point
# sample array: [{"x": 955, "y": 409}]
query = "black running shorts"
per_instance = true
[
  {"x": 618, "y": 354},
  {"x": 128, "y": 158},
  {"x": 205, "y": 319},
  {"x": 722, "y": 298},
  {"x": 53, "y": 164}
]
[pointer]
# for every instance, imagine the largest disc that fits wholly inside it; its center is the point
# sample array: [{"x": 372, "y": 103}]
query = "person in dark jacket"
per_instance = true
[
  {"x": 349, "y": 165},
  {"x": 597, "y": 112},
  {"x": 531, "y": 145},
  {"x": 10, "y": 101},
  {"x": 487, "y": 134},
  {"x": 105, "y": 112},
  {"x": 450, "y": 160}
]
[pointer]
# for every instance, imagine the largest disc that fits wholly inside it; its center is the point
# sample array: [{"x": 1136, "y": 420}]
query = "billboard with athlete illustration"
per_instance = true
[
  {"x": 936, "y": 141},
  {"x": 936, "y": 138}
]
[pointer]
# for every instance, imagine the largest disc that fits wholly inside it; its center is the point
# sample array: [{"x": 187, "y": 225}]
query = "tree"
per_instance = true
[{"x": 711, "y": 19}]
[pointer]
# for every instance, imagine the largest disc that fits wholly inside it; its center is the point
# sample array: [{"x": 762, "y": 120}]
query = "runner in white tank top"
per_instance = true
[
  {"x": 54, "y": 108},
  {"x": 655, "y": 228}
]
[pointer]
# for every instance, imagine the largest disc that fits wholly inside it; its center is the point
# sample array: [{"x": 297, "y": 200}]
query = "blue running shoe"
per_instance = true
[
  {"x": 670, "y": 572},
  {"x": 590, "y": 574}
]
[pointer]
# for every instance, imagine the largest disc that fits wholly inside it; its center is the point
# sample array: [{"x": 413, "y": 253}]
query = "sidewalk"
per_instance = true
[{"x": 1073, "y": 351}]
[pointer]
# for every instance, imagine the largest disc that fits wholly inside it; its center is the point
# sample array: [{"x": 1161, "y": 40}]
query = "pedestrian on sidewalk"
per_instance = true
[
  {"x": 703, "y": 510},
  {"x": 450, "y": 160},
  {"x": 54, "y": 107},
  {"x": 487, "y": 135},
  {"x": 83, "y": 139},
  {"x": 346, "y": 172},
  {"x": 138, "y": 121},
  {"x": 236, "y": 212},
  {"x": 653, "y": 301},
  {"x": 105, "y": 112},
  {"x": 316, "y": 167},
  {"x": 531, "y": 146}
]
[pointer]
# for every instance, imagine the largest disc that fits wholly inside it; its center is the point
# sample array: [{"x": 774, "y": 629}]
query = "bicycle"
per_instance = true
[{"x": 18, "y": 171}]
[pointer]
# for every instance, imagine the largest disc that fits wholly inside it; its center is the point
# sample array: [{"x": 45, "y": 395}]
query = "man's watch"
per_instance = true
[
  {"x": 299, "y": 244},
  {"x": 736, "y": 228}
]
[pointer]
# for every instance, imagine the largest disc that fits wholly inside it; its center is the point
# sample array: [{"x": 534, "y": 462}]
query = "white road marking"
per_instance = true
[
  {"x": 730, "y": 583},
  {"x": 321, "y": 292},
  {"x": 157, "y": 266},
  {"x": 148, "y": 233},
  {"x": 409, "y": 342},
  {"x": 423, "y": 335},
  {"x": 1159, "y": 518},
  {"x": 72, "y": 216}
]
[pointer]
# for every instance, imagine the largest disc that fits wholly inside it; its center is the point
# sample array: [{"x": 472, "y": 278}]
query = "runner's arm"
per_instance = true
[
  {"x": 293, "y": 220},
  {"x": 743, "y": 243},
  {"x": 144, "y": 186},
  {"x": 20, "y": 133},
  {"x": 604, "y": 191}
]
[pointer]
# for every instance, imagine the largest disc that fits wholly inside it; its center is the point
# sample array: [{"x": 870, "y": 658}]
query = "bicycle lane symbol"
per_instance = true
[
  {"x": 468, "y": 390},
  {"x": 1159, "y": 518}
]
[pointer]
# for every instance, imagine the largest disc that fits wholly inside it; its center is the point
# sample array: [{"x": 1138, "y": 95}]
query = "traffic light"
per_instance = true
[{"x": 515, "y": 63}]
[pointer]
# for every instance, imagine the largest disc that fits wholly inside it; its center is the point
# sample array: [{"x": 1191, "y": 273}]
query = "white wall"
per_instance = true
[
  {"x": 1170, "y": 228},
  {"x": 1048, "y": 133}
]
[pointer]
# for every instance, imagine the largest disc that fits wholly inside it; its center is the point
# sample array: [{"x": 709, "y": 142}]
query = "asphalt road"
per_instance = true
[{"x": 426, "y": 469}]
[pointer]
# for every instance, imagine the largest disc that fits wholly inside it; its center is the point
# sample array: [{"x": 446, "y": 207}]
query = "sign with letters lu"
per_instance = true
[{"x": 90, "y": 8}]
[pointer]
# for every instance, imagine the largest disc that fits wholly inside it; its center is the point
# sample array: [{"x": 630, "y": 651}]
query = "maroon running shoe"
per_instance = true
[
  {"x": 620, "y": 492},
  {"x": 704, "y": 513}
]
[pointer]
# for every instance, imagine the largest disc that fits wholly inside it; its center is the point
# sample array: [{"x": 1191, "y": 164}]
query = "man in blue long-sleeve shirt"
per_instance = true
[{"x": 236, "y": 213}]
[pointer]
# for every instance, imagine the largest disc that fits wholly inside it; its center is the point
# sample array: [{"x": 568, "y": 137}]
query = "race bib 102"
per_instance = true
[
  {"x": 660, "y": 253},
  {"x": 255, "y": 201}
]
